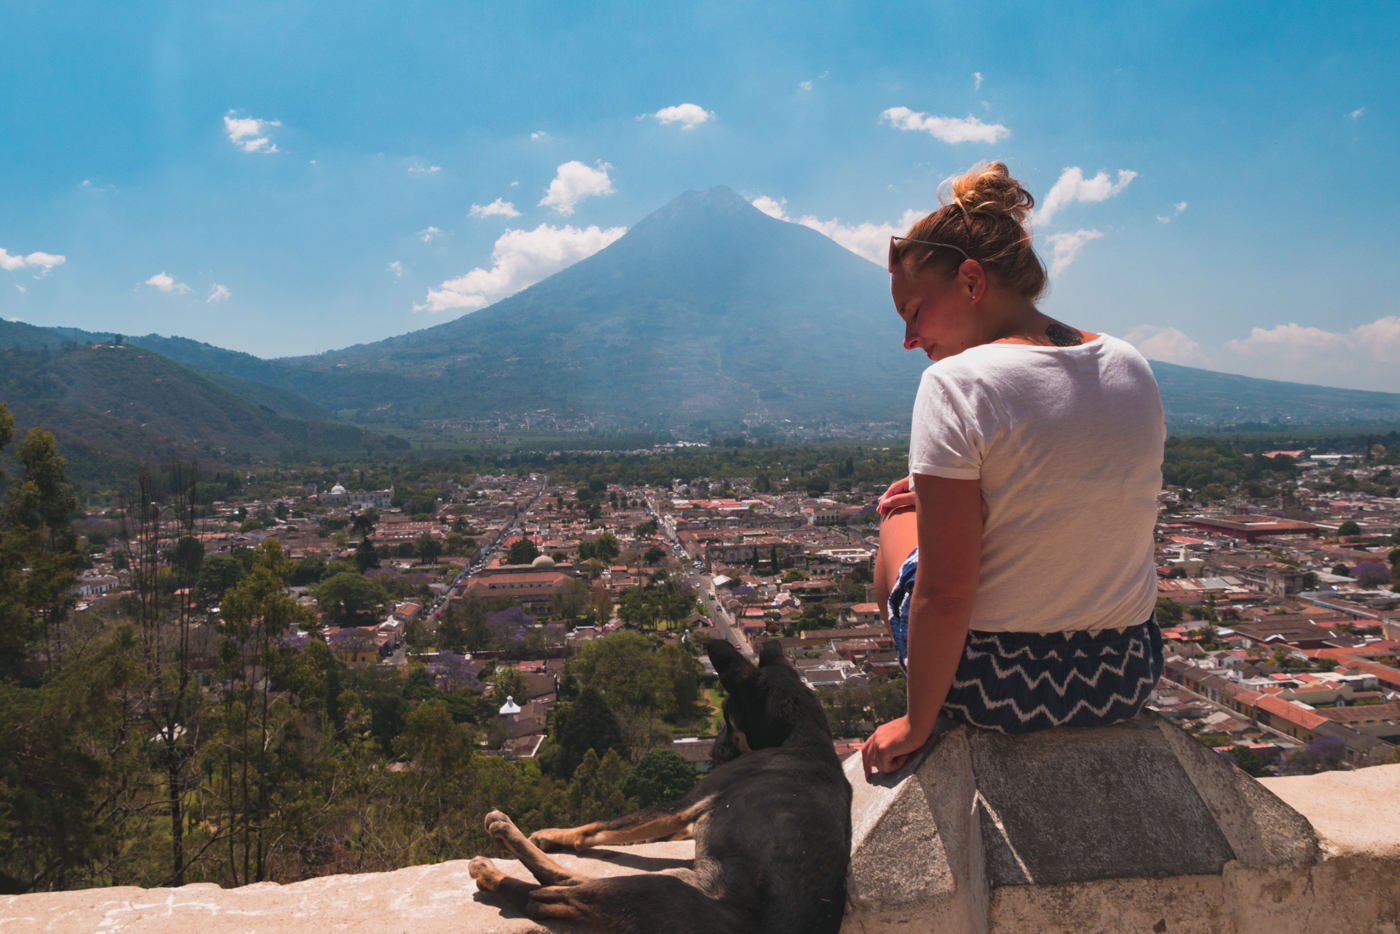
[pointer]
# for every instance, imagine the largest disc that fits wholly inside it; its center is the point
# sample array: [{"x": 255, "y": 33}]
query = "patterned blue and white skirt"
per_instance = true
[{"x": 1020, "y": 682}]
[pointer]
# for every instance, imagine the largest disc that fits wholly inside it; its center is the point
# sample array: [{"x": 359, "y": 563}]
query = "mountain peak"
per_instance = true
[{"x": 710, "y": 205}]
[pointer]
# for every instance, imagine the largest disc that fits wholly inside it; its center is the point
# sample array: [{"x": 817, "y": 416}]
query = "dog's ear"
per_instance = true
[
  {"x": 770, "y": 653},
  {"x": 733, "y": 669}
]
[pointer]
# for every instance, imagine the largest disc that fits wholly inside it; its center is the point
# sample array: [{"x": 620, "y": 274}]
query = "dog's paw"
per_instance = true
[
  {"x": 485, "y": 873},
  {"x": 500, "y": 827}
]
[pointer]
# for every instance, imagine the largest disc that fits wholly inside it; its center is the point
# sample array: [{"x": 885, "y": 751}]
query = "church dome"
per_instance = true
[
  {"x": 543, "y": 561},
  {"x": 337, "y": 490}
]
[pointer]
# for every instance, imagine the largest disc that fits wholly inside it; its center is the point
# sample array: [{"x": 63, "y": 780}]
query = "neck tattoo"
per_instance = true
[{"x": 1062, "y": 336}]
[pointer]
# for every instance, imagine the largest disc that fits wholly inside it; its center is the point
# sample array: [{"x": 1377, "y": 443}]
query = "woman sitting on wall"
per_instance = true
[{"x": 1016, "y": 561}]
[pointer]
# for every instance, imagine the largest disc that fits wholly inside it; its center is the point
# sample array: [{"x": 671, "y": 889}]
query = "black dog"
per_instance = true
[{"x": 771, "y": 822}]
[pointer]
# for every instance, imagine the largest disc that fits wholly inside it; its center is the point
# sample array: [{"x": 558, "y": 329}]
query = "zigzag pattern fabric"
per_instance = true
[{"x": 1021, "y": 682}]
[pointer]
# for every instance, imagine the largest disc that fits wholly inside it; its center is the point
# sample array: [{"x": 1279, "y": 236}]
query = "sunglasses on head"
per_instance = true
[{"x": 893, "y": 259}]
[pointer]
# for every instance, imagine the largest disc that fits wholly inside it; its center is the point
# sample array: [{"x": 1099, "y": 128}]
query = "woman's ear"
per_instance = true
[{"x": 973, "y": 279}]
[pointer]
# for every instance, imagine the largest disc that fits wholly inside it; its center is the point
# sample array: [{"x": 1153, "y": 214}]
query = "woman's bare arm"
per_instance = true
[{"x": 950, "y": 553}]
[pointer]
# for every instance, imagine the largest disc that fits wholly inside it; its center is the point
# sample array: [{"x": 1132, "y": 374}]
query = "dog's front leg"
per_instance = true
[{"x": 674, "y": 821}]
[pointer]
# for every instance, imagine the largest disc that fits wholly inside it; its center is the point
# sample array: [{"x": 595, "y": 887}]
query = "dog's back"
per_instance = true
[
  {"x": 772, "y": 827},
  {"x": 780, "y": 833}
]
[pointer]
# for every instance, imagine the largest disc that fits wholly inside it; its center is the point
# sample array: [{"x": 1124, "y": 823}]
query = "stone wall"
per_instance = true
[{"x": 1129, "y": 828}]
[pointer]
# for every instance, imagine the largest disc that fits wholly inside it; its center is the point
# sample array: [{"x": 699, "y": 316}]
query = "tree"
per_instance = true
[
  {"x": 349, "y": 599},
  {"x": 633, "y": 608},
  {"x": 1348, "y": 527},
  {"x": 570, "y": 600},
  {"x": 1371, "y": 574},
  {"x": 218, "y": 575},
  {"x": 639, "y": 681},
  {"x": 601, "y": 604},
  {"x": 578, "y": 727},
  {"x": 594, "y": 791},
  {"x": 256, "y": 613},
  {"x": 1322, "y": 754},
  {"x": 40, "y": 547},
  {"x": 429, "y": 549},
  {"x": 432, "y": 741},
  {"x": 366, "y": 555},
  {"x": 522, "y": 551},
  {"x": 161, "y": 508},
  {"x": 363, "y": 523},
  {"x": 661, "y": 775},
  {"x": 604, "y": 548},
  {"x": 507, "y": 682},
  {"x": 1249, "y": 760},
  {"x": 645, "y": 529}
]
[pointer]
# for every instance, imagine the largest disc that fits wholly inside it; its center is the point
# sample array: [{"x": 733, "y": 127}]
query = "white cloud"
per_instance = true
[
  {"x": 1066, "y": 246},
  {"x": 428, "y": 234},
  {"x": 947, "y": 129},
  {"x": 250, "y": 133},
  {"x": 1072, "y": 186},
  {"x": 867, "y": 240},
  {"x": 499, "y": 207},
  {"x": 1176, "y": 210},
  {"x": 573, "y": 182},
  {"x": 22, "y": 289},
  {"x": 166, "y": 283},
  {"x": 1381, "y": 337},
  {"x": 219, "y": 293},
  {"x": 977, "y": 76},
  {"x": 520, "y": 259},
  {"x": 1168, "y": 344},
  {"x": 418, "y": 168},
  {"x": 771, "y": 206},
  {"x": 539, "y": 134},
  {"x": 1364, "y": 357},
  {"x": 1286, "y": 338},
  {"x": 45, "y": 261},
  {"x": 805, "y": 85},
  {"x": 1356, "y": 114},
  {"x": 688, "y": 115},
  {"x": 396, "y": 268}
]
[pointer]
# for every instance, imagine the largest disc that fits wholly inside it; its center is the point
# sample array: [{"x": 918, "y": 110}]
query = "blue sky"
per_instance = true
[{"x": 1216, "y": 179}]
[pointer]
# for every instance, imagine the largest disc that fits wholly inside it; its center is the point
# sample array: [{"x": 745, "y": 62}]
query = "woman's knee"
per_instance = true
[{"x": 899, "y": 535}]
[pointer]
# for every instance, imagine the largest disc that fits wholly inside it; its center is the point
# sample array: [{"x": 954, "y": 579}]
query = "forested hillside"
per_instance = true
[{"x": 116, "y": 404}]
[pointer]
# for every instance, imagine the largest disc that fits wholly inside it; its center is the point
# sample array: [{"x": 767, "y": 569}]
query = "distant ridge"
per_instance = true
[
  {"x": 114, "y": 406},
  {"x": 1204, "y": 399},
  {"x": 707, "y": 316}
]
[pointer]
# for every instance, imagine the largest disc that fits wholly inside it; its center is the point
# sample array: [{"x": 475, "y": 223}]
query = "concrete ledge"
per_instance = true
[
  {"x": 1130, "y": 828},
  {"x": 438, "y": 899}
]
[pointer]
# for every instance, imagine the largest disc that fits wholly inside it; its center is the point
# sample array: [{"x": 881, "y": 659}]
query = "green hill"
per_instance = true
[{"x": 113, "y": 406}]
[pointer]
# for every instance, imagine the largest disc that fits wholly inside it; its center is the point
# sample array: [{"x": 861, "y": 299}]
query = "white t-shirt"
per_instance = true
[{"x": 1067, "y": 443}]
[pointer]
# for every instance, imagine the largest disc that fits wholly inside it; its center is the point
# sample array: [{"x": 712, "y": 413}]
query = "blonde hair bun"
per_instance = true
[
  {"x": 983, "y": 217},
  {"x": 989, "y": 189}
]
